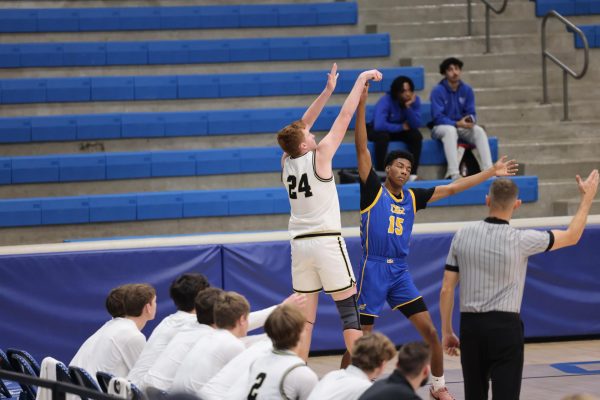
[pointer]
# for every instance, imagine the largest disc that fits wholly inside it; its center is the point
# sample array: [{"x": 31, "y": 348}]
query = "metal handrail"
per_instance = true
[
  {"x": 55, "y": 386},
  {"x": 488, "y": 8},
  {"x": 563, "y": 66}
]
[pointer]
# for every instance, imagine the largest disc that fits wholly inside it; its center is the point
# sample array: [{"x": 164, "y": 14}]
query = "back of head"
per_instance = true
[
  {"x": 396, "y": 154},
  {"x": 398, "y": 86},
  {"x": 503, "y": 194},
  {"x": 185, "y": 288},
  {"x": 412, "y": 358},
  {"x": 284, "y": 327},
  {"x": 136, "y": 297},
  {"x": 371, "y": 350},
  {"x": 205, "y": 305},
  {"x": 115, "y": 301},
  {"x": 291, "y": 137},
  {"x": 448, "y": 62},
  {"x": 229, "y": 308}
]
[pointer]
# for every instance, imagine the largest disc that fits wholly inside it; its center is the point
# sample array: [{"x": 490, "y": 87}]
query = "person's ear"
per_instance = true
[
  {"x": 517, "y": 204},
  {"x": 426, "y": 371},
  {"x": 487, "y": 200}
]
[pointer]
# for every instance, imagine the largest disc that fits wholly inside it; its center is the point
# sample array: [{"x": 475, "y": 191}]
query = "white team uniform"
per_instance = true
[
  {"x": 280, "y": 375},
  {"x": 319, "y": 257},
  {"x": 343, "y": 384}
]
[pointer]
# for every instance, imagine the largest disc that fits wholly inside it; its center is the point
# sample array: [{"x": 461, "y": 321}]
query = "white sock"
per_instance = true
[{"x": 438, "y": 383}]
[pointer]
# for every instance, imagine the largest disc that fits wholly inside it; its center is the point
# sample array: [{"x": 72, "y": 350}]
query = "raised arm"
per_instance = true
[
  {"x": 570, "y": 236},
  {"x": 501, "y": 168},
  {"x": 313, "y": 112},
  {"x": 330, "y": 143},
  {"x": 360, "y": 137},
  {"x": 450, "y": 341}
]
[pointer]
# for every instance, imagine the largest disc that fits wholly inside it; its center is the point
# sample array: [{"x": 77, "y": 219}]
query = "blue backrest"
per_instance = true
[
  {"x": 35, "y": 366},
  {"x": 20, "y": 364},
  {"x": 103, "y": 380},
  {"x": 82, "y": 378},
  {"x": 5, "y": 365}
]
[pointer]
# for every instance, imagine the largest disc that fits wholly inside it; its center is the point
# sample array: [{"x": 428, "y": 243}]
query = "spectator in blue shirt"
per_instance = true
[
  {"x": 398, "y": 117},
  {"x": 454, "y": 117}
]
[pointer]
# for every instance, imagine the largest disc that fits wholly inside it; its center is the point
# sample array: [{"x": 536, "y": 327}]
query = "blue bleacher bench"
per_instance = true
[
  {"x": 171, "y": 87},
  {"x": 153, "y": 164},
  {"x": 165, "y": 124},
  {"x": 174, "y": 18},
  {"x": 214, "y": 203},
  {"x": 567, "y": 7},
  {"x": 62, "y": 54},
  {"x": 592, "y": 34}
]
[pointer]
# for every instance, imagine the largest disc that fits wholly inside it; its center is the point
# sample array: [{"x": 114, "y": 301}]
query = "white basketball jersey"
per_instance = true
[
  {"x": 268, "y": 373},
  {"x": 314, "y": 201}
]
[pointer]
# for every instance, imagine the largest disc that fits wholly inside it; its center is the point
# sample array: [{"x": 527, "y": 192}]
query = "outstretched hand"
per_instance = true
[
  {"x": 372, "y": 74},
  {"x": 332, "y": 77},
  {"x": 506, "y": 168},
  {"x": 589, "y": 187},
  {"x": 296, "y": 299},
  {"x": 451, "y": 345}
]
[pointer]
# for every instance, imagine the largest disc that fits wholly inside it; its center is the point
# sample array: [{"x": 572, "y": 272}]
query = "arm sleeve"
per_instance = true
[
  {"x": 257, "y": 319},
  {"x": 369, "y": 190},
  {"x": 380, "y": 120},
  {"x": 413, "y": 114},
  {"x": 422, "y": 197},
  {"x": 438, "y": 109},
  {"x": 534, "y": 242},
  {"x": 299, "y": 383},
  {"x": 470, "y": 104},
  {"x": 452, "y": 259}
]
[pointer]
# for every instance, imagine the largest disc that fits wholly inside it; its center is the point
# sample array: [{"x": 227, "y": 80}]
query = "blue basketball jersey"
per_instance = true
[{"x": 387, "y": 223}]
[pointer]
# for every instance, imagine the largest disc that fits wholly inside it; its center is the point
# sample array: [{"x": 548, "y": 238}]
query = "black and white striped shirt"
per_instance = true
[{"x": 491, "y": 258}]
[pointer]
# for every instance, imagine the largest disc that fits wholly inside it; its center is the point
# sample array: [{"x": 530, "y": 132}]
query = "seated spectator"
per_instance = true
[
  {"x": 370, "y": 355},
  {"x": 183, "y": 292},
  {"x": 162, "y": 372},
  {"x": 454, "y": 117},
  {"x": 116, "y": 346},
  {"x": 282, "y": 373},
  {"x": 216, "y": 349},
  {"x": 411, "y": 373},
  {"x": 398, "y": 118}
]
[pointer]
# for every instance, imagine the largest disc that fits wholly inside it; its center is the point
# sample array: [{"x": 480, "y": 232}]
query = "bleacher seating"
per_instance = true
[
  {"x": 567, "y": 7},
  {"x": 188, "y": 123},
  {"x": 153, "y": 164},
  {"x": 128, "y": 88},
  {"x": 592, "y": 34},
  {"x": 209, "y": 203},
  {"x": 69, "y": 54},
  {"x": 172, "y": 18}
]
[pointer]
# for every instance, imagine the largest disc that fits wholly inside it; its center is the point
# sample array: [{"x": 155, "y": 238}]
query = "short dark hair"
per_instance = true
[
  {"x": 398, "y": 86},
  {"x": 291, "y": 136},
  {"x": 136, "y": 297},
  {"x": 371, "y": 350},
  {"x": 396, "y": 154},
  {"x": 448, "y": 62},
  {"x": 284, "y": 326},
  {"x": 115, "y": 304},
  {"x": 229, "y": 308},
  {"x": 205, "y": 305},
  {"x": 503, "y": 192},
  {"x": 185, "y": 288},
  {"x": 412, "y": 357}
]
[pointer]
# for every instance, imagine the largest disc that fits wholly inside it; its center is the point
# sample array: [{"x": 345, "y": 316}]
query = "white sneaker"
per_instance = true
[{"x": 412, "y": 178}]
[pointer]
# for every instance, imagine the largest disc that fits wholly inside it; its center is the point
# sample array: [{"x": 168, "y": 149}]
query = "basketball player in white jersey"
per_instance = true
[
  {"x": 282, "y": 374},
  {"x": 319, "y": 257}
]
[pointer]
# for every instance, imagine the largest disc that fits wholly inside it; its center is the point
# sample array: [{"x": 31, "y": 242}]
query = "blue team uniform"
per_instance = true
[{"x": 386, "y": 227}]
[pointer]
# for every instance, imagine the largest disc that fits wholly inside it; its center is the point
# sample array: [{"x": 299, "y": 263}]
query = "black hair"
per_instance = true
[
  {"x": 448, "y": 62},
  {"x": 396, "y": 154},
  {"x": 398, "y": 86},
  {"x": 185, "y": 288}
]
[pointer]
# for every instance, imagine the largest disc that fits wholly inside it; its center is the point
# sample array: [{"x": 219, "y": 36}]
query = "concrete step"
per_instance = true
[
  {"x": 561, "y": 168},
  {"x": 530, "y": 112},
  {"x": 509, "y": 131},
  {"x": 570, "y": 207},
  {"x": 551, "y": 150},
  {"x": 393, "y": 3}
]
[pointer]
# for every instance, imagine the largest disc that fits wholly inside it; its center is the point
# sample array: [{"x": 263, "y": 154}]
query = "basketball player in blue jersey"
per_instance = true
[{"x": 387, "y": 217}]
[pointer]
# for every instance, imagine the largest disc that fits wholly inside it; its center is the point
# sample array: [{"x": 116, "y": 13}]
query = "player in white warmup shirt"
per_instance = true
[
  {"x": 370, "y": 355},
  {"x": 319, "y": 257},
  {"x": 282, "y": 374}
]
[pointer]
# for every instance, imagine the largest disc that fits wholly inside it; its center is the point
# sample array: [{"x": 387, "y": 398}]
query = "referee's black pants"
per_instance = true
[
  {"x": 412, "y": 138},
  {"x": 491, "y": 347}
]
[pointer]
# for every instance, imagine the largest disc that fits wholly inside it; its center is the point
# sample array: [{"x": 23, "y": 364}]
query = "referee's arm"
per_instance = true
[{"x": 450, "y": 341}]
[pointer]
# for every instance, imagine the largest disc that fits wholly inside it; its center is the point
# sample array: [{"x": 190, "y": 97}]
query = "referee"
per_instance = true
[{"x": 490, "y": 259}]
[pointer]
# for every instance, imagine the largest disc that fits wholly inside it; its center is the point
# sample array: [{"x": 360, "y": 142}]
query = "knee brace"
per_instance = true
[{"x": 348, "y": 311}]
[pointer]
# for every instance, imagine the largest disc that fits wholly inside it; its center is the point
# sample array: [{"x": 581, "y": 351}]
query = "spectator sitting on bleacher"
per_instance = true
[
  {"x": 116, "y": 346},
  {"x": 454, "y": 117},
  {"x": 398, "y": 118}
]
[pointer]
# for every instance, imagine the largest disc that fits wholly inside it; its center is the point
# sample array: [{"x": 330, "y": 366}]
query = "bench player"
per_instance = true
[{"x": 319, "y": 257}]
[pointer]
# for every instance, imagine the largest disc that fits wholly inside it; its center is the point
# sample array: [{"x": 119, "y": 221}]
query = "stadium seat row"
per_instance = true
[
  {"x": 61, "y": 54},
  {"x": 209, "y": 203},
  {"x": 195, "y": 17},
  {"x": 567, "y": 7},
  {"x": 187, "y": 123},
  {"x": 152, "y": 164},
  {"x": 591, "y": 32},
  {"x": 119, "y": 88}
]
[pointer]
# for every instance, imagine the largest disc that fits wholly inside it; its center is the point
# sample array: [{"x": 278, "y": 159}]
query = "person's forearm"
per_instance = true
[
  {"x": 351, "y": 102},
  {"x": 468, "y": 182},
  {"x": 313, "y": 112},
  {"x": 579, "y": 220},
  {"x": 258, "y": 318},
  {"x": 446, "y": 309},
  {"x": 360, "y": 130}
]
